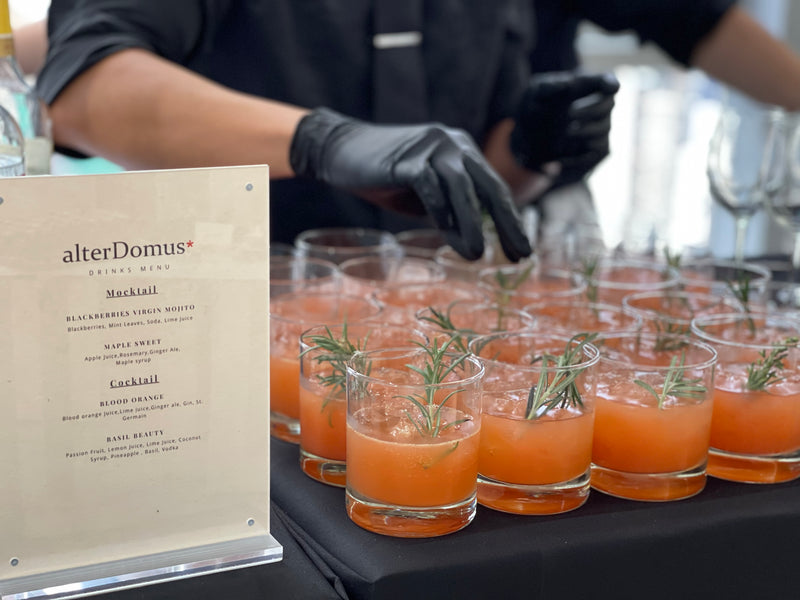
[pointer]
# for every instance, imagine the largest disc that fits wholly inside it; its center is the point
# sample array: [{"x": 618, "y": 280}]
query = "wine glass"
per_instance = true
[
  {"x": 12, "y": 162},
  {"x": 783, "y": 194},
  {"x": 741, "y": 138}
]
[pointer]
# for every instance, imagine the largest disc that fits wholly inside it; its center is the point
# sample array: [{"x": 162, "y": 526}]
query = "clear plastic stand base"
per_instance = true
[{"x": 147, "y": 570}]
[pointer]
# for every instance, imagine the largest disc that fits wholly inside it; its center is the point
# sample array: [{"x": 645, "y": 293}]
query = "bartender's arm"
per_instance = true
[
  {"x": 144, "y": 112},
  {"x": 742, "y": 54}
]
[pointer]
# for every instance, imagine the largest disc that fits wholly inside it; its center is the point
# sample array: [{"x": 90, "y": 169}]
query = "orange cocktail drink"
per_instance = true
[
  {"x": 324, "y": 352},
  {"x": 538, "y": 420},
  {"x": 577, "y": 315},
  {"x": 652, "y": 416},
  {"x": 672, "y": 311},
  {"x": 528, "y": 281},
  {"x": 609, "y": 280},
  {"x": 290, "y": 315},
  {"x": 755, "y": 429},
  {"x": 401, "y": 302},
  {"x": 413, "y": 425}
]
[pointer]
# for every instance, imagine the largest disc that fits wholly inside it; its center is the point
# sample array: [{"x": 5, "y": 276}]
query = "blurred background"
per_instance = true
[{"x": 652, "y": 192}]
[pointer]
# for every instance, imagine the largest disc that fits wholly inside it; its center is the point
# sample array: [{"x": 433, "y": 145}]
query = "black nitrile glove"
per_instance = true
[
  {"x": 443, "y": 168},
  {"x": 564, "y": 117}
]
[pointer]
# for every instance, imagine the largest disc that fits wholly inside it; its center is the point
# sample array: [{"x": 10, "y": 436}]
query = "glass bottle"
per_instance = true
[{"x": 21, "y": 101}]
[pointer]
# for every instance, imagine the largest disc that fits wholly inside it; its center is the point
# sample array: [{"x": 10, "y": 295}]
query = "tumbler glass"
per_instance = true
[
  {"x": 755, "y": 428},
  {"x": 413, "y": 428},
  {"x": 652, "y": 416},
  {"x": 324, "y": 352},
  {"x": 538, "y": 417},
  {"x": 338, "y": 244},
  {"x": 289, "y": 316}
]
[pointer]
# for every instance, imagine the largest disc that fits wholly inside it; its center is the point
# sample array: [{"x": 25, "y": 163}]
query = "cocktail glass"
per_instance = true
[
  {"x": 538, "y": 417},
  {"x": 289, "y": 316},
  {"x": 755, "y": 429},
  {"x": 577, "y": 315},
  {"x": 364, "y": 275},
  {"x": 462, "y": 321},
  {"x": 412, "y": 443},
  {"x": 289, "y": 274},
  {"x": 421, "y": 243},
  {"x": 652, "y": 416},
  {"x": 672, "y": 311},
  {"x": 338, "y": 244},
  {"x": 402, "y": 302},
  {"x": 324, "y": 352},
  {"x": 609, "y": 280},
  {"x": 526, "y": 282},
  {"x": 743, "y": 280}
]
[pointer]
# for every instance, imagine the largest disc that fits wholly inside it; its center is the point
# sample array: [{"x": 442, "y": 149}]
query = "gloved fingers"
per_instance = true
[
  {"x": 495, "y": 196},
  {"x": 465, "y": 230},
  {"x": 584, "y": 162},
  {"x": 589, "y": 130},
  {"x": 593, "y": 106},
  {"x": 571, "y": 87}
]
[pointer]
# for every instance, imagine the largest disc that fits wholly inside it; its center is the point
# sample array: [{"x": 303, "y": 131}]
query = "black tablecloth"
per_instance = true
[
  {"x": 296, "y": 577},
  {"x": 730, "y": 541}
]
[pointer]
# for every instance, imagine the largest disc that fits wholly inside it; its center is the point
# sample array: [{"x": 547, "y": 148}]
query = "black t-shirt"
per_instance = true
[
  {"x": 312, "y": 53},
  {"x": 676, "y": 26}
]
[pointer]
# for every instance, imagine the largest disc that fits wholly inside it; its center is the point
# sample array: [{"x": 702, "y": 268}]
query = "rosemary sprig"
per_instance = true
[
  {"x": 556, "y": 385},
  {"x": 765, "y": 371},
  {"x": 673, "y": 262},
  {"x": 670, "y": 336},
  {"x": 589, "y": 268},
  {"x": 429, "y": 421},
  {"x": 508, "y": 285},
  {"x": 336, "y": 352},
  {"x": 675, "y": 383},
  {"x": 443, "y": 322},
  {"x": 740, "y": 288}
]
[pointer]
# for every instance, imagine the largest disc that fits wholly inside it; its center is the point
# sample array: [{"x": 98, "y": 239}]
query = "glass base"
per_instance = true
[
  {"x": 748, "y": 468},
  {"x": 409, "y": 521},
  {"x": 534, "y": 499},
  {"x": 326, "y": 470},
  {"x": 284, "y": 428},
  {"x": 649, "y": 487}
]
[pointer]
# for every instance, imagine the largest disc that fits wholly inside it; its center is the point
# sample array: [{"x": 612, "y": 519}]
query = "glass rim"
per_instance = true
[
  {"x": 399, "y": 352},
  {"x": 731, "y": 318},
  {"x": 289, "y": 296},
  {"x": 482, "y": 340},
  {"x": 376, "y": 325},
  {"x": 653, "y": 337},
  {"x": 727, "y": 263},
  {"x": 654, "y": 314},
  {"x": 383, "y": 238}
]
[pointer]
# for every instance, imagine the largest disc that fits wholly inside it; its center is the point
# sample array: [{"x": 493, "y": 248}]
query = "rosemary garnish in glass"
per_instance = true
[
  {"x": 443, "y": 322},
  {"x": 508, "y": 285},
  {"x": 676, "y": 384},
  {"x": 556, "y": 386},
  {"x": 336, "y": 352},
  {"x": 741, "y": 291},
  {"x": 589, "y": 267},
  {"x": 765, "y": 371},
  {"x": 670, "y": 336},
  {"x": 429, "y": 422}
]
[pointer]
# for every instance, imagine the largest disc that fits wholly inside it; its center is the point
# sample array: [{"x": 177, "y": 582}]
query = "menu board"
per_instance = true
[{"x": 134, "y": 409}]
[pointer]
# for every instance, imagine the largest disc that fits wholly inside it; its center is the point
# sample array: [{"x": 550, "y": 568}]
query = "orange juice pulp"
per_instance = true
[
  {"x": 322, "y": 423},
  {"x": 755, "y": 422},
  {"x": 435, "y": 471},
  {"x": 554, "y": 448},
  {"x": 632, "y": 437},
  {"x": 284, "y": 385}
]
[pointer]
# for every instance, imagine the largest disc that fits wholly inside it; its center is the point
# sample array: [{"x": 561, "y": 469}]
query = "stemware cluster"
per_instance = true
[{"x": 429, "y": 385}]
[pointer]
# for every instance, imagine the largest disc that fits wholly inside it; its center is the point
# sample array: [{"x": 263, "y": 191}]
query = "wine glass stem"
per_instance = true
[
  {"x": 796, "y": 253},
  {"x": 741, "y": 235}
]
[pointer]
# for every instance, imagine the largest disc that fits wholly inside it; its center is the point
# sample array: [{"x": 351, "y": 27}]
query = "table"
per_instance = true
[{"x": 730, "y": 541}]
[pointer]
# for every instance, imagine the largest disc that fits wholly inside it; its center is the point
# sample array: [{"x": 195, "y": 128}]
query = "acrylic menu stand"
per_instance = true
[{"x": 134, "y": 412}]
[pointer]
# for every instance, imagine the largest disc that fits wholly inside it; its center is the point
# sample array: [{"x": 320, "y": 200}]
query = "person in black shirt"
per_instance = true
[{"x": 358, "y": 106}]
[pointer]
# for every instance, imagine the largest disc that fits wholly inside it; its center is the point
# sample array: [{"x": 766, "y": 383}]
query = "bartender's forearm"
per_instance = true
[
  {"x": 525, "y": 185},
  {"x": 742, "y": 54},
  {"x": 143, "y": 112}
]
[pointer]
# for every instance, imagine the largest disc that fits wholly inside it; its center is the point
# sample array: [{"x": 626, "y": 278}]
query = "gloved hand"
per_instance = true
[
  {"x": 564, "y": 117},
  {"x": 442, "y": 166}
]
